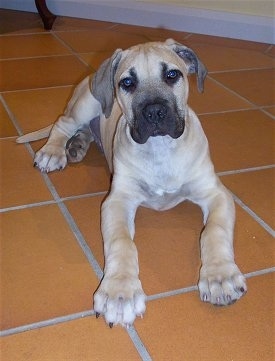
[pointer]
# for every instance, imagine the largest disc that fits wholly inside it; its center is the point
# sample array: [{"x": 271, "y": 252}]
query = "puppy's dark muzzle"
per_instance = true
[{"x": 156, "y": 118}]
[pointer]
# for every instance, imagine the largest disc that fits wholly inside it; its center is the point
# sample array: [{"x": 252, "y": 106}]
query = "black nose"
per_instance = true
[{"x": 154, "y": 113}]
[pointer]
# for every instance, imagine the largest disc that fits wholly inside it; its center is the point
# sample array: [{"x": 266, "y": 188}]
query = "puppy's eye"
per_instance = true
[
  {"x": 172, "y": 76},
  {"x": 127, "y": 84}
]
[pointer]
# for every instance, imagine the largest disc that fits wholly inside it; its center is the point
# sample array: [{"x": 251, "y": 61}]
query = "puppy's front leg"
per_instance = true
[
  {"x": 120, "y": 297},
  {"x": 52, "y": 155},
  {"x": 81, "y": 109},
  {"x": 221, "y": 282}
]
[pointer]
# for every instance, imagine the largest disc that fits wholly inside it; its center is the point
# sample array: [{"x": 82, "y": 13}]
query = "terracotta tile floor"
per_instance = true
[{"x": 52, "y": 255}]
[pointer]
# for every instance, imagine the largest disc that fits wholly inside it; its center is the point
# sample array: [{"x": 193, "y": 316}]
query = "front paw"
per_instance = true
[
  {"x": 50, "y": 158},
  {"x": 120, "y": 300},
  {"x": 221, "y": 284}
]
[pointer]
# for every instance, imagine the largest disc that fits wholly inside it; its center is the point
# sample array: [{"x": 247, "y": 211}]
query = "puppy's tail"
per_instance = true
[{"x": 38, "y": 134}]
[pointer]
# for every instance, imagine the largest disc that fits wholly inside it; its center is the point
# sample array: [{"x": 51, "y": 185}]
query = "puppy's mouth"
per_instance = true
[
  {"x": 156, "y": 119},
  {"x": 141, "y": 134}
]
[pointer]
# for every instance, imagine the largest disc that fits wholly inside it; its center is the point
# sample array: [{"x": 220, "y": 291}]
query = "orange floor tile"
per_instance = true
[{"x": 51, "y": 245}]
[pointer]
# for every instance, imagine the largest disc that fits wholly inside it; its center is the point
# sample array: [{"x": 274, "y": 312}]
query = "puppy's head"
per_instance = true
[{"x": 151, "y": 86}]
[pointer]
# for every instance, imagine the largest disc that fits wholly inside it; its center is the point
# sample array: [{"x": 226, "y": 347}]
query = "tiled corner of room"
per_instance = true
[{"x": 51, "y": 245}]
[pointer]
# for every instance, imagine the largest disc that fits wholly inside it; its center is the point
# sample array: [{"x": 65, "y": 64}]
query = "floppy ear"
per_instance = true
[
  {"x": 193, "y": 63},
  {"x": 102, "y": 83}
]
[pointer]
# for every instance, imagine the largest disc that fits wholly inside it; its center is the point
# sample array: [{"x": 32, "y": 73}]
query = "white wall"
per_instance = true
[
  {"x": 173, "y": 14},
  {"x": 247, "y": 7}
]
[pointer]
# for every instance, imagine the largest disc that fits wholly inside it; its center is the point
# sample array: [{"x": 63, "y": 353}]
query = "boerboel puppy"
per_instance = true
[{"x": 135, "y": 107}]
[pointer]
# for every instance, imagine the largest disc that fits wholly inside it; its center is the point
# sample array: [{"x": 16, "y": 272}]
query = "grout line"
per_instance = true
[
  {"x": 24, "y": 34},
  {"x": 179, "y": 291},
  {"x": 38, "y": 88},
  {"x": 11, "y": 115},
  {"x": 49, "y": 322},
  {"x": 68, "y": 47},
  {"x": 87, "y": 195},
  {"x": 81, "y": 241},
  {"x": 102, "y": 193},
  {"x": 262, "y": 108},
  {"x": 69, "y": 219},
  {"x": 260, "y": 272},
  {"x": 141, "y": 349},
  {"x": 253, "y": 215},
  {"x": 74, "y": 228},
  {"x": 245, "y": 170},
  {"x": 186, "y": 37},
  {"x": 112, "y": 26},
  {"x": 37, "y": 57},
  {"x": 132, "y": 332},
  {"x": 79, "y": 30},
  {"x": 45, "y": 203},
  {"x": 233, "y": 92},
  {"x": 254, "y": 106},
  {"x": 73, "y": 52},
  {"x": 25, "y": 206},
  {"x": 84, "y": 29},
  {"x": 268, "y": 49},
  {"x": 184, "y": 290},
  {"x": 265, "y": 111},
  {"x": 249, "y": 108},
  {"x": 240, "y": 69},
  {"x": 11, "y": 137}
]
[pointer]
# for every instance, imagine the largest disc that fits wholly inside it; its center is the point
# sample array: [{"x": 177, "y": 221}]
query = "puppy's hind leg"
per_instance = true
[
  {"x": 78, "y": 145},
  {"x": 80, "y": 110}
]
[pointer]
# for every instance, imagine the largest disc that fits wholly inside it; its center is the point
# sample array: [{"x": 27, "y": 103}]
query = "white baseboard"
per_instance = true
[{"x": 237, "y": 26}]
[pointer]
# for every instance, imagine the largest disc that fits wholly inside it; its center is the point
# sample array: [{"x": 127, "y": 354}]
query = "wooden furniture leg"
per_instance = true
[{"x": 47, "y": 17}]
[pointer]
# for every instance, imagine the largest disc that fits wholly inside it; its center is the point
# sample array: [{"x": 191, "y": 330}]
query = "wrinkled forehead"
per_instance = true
[{"x": 147, "y": 61}]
